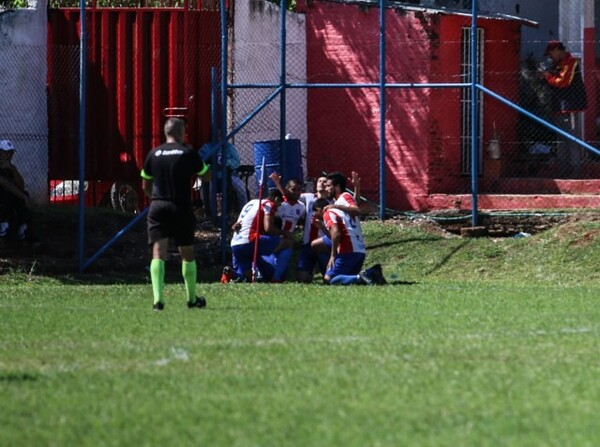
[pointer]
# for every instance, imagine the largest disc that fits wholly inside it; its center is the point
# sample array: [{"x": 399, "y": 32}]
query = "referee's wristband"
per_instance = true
[{"x": 204, "y": 169}]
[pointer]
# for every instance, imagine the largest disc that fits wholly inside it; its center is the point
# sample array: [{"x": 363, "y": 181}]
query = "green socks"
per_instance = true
[
  {"x": 188, "y": 271},
  {"x": 157, "y": 275}
]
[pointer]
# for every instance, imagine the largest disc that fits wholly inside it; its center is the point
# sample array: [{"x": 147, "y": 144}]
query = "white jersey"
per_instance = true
[
  {"x": 252, "y": 220},
  {"x": 290, "y": 214},
  {"x": 309, "y": 199}
]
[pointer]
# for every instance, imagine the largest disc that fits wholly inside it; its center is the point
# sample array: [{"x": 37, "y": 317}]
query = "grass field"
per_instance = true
[{"x": 479, "y": 342}]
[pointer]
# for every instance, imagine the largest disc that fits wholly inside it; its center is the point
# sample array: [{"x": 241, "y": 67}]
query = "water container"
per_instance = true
[
  {"x": 269, "y": 150},
  {"x": 291, "y": 160},
  {"x": 288, "y": 163}
]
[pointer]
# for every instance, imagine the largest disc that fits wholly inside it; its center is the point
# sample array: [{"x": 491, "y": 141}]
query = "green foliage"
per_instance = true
[
  {"x": 13, "y": 4},
  {"x": 289, "y": 4}
]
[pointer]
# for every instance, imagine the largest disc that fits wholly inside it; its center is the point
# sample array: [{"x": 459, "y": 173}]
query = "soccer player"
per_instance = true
[
  {"x": 291, "y": 211},
  {"x": 347, "y": 243},
  {"x": 343, "y": 200},
  {"x": 335, "y": 190},
  {"x": 167, "y": 178},
  {"x": 257, "y": 220},
  {"x": 313, "y": 229}
]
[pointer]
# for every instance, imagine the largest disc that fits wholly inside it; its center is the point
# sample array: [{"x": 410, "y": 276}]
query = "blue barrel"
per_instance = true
[
  {"x": 291, "y": 161},
  {"x": 287, "y": 162}
]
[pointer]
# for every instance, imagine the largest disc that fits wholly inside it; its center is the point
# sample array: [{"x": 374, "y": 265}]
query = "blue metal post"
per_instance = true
[
  {"x": 82, "y": 103},
  {"x": 282, "y": 81},
  {"x": 382, "y": 90},
  {"x": 224, "y": 65},
  {"x": 214, "y": 124},
  {"x": 474, "y": 116}
]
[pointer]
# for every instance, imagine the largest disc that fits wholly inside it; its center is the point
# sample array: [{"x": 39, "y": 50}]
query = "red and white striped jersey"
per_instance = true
[
  {"x": 290, "y": 214},
  {"x": 351, "y": 240},
  {"x": 345, "y": 199},
  {"x": 252, "y": 220}
]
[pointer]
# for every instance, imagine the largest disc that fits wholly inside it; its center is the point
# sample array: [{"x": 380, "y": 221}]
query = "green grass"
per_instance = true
[{"x": 480, "y": 342}]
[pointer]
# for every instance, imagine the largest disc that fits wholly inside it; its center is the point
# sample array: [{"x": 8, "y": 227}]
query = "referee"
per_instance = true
[{"x": 167, "y": 180}]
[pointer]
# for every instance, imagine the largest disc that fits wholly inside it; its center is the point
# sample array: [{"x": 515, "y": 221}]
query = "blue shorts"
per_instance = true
[
  {"x": 346, "y": 264},
  {"x": 242, "y": 256}
]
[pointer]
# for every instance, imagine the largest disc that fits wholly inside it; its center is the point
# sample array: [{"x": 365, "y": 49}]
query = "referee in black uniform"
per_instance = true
[{"x": 167, "y": 180}]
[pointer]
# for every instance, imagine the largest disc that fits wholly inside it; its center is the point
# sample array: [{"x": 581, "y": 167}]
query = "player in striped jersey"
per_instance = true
[
  {"x": 347, "y": 243},
  {"x": 257, "y": 220},
  {"x": 343, "y": 200}
]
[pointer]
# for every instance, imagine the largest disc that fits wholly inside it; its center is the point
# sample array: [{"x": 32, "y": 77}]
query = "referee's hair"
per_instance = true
[{"x": 174, "y": 127}]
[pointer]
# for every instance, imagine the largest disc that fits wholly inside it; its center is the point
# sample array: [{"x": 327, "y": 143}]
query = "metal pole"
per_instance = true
[
  {"x": 214, "y": 138},
  {"x": 224, "y": 68},
  {"x": 82, "y": 104},
  {"x": 382, "y": 90},
  {"x": 282, "y": 82},
  {"x": 474, "y": 116}
]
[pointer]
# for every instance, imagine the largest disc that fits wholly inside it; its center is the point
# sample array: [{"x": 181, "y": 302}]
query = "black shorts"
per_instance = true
[{"x": 167, "y": 220}]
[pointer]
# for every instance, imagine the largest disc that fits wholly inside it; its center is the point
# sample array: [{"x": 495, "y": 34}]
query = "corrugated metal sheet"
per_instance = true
[{"x": 143, "y": 64}]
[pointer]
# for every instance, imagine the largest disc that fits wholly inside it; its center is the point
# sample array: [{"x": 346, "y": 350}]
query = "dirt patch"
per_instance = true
[{"x": 114, "y": 242}]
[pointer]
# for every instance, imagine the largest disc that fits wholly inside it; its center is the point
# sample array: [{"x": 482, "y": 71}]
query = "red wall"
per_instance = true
[{"x": 422, "y": 125}]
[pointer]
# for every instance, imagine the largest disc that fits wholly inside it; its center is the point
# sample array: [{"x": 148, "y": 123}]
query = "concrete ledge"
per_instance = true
[{"x": 514, "y": 201}]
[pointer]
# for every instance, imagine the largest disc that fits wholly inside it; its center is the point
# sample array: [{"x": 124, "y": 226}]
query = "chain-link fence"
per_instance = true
[
  {"x": 332, "y": 103},
  {"x": 333, "y": 47}
]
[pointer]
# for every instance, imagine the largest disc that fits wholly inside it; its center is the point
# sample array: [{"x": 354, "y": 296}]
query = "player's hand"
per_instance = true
[
  {"x": 275, "y": 177},
  {"x": 355, "y": 179},
  {"x": 236, "y": 227},
  {"x": 330, "y": 263}
]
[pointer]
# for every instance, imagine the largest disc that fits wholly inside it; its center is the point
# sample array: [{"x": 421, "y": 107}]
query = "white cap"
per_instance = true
[{"x": 6, "y": 145}]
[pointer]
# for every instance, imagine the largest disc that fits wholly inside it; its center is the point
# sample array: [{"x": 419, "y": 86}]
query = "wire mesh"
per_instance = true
[{"x": 330, "y": 79}]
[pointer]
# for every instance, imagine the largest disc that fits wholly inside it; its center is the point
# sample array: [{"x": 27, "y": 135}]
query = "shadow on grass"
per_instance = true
[
  {"x": 17, "y": 377},
  {"x": 449, "y": 256}
]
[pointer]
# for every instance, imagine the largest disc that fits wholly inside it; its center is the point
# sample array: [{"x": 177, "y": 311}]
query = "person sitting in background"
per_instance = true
[
  {"x": 15, "y": 215},
  {"x": 234, "y": 185}
]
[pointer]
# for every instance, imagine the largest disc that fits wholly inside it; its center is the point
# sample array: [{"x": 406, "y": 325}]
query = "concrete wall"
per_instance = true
[
  {"x": 23, "y": 111},
  {"x": 255, "y": 59}
]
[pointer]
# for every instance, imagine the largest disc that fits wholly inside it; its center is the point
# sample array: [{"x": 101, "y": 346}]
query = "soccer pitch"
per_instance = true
[{"x": 434, "y": 363}]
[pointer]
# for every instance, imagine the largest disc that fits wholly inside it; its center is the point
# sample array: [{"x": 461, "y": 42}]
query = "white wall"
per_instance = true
[
  {"x": 23, "y": 111},
  {"x": 255, "y": 59}
]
